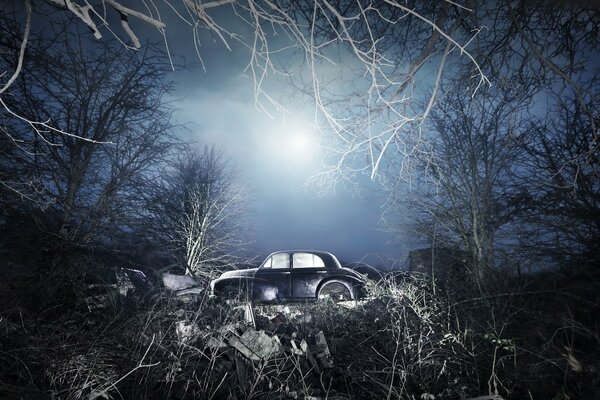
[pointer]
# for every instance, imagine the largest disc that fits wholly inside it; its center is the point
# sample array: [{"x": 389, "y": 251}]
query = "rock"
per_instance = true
[{"x": 178, "y": 282}]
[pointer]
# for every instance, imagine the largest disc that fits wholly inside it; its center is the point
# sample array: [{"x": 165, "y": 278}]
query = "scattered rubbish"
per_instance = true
[
  {"x": 178, "y": 282},
  {"x": 322, "y": 350},
  {"x": 105, "y": 291},
  {"x": 136, "y": 277},
  {"x": 187, "y": 332},
  {"x": 228, "y": 329},
  {"x": 124, "y": 284},
  {"x": 256, "y": 345},
  {"x": 350, "y": 304},
  {"x": 249, "y": 317},
  {"x": 189, "y": 295},
  {"x": 216, "y": 343},
  {"x": 303, "y": 318},
  {"x": 295, "y": 350},
  {"x": 99, "y": 301},
  {"x": 278, "y": 319}
]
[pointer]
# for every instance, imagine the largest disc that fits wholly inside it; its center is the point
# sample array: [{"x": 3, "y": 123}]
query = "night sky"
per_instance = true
[{"x": 275, "y": 156}]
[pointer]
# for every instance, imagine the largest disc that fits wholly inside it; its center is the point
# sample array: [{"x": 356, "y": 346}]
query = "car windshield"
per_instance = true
[{"x": 307, "y": 260}]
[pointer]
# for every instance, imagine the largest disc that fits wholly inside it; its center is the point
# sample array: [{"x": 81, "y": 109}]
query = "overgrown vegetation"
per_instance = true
[{"x": 536, "y": 339}]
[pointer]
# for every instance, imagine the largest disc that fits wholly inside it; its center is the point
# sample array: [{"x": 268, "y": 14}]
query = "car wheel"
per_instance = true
[{"x": 334, "y": 290}]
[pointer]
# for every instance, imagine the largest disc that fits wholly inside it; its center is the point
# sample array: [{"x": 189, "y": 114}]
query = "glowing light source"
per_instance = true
[{"x": 301, "y": 142}]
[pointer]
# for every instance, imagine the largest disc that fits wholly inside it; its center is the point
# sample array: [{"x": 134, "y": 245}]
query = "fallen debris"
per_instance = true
[
  {"x": 322, "y": 350},
  {"x": 178, "y": 282},
  {"x": 248, "y": 310},
  {"x": 303, "y": 318},
  {"x": 124, "y": 284},
  {"x": 190, "y": 295},
  {"x": 187, "y": 332},
  {"x": 278, "y": 319},
  {"x": 256, "y": 345}
]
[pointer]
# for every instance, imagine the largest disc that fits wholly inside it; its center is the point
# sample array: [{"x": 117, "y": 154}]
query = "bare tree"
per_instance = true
[
  {"x": 111, "y": 125},
  {"x": 197, "y": 212},
  {"x": 464, "y": 196},
  {"x": 562, "y": 179}
]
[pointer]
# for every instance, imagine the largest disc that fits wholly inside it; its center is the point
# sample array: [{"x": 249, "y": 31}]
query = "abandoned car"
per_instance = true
[{"x": 292, "y": 275}]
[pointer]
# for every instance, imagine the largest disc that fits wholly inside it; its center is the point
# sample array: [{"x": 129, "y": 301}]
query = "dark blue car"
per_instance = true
[{"x": 292, "y": 275}]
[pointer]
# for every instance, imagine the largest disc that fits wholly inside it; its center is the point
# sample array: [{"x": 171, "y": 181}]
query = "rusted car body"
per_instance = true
[{"x": 292, "y": 276}]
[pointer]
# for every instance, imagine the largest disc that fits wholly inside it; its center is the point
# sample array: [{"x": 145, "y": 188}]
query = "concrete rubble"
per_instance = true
[
  {"x": 256, "y": 345},
  {"x": 274, "y": 336}
]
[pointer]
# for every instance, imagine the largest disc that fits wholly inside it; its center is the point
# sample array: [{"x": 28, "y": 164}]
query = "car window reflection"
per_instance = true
[
  {"x": 307, "y": 260},
  {"x": 278, "y": 261}
]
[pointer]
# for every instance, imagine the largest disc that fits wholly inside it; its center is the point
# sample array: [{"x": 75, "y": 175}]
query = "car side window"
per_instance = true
[
  {"x": 307, "y": 260},
  {"x": 277, "y": 261}
]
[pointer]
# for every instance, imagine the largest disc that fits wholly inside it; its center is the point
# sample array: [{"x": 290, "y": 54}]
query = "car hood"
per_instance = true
[{"x": 238, "y": 273}]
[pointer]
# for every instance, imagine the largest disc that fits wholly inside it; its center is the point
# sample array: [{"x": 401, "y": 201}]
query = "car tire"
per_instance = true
[{"x": 336, "y": 291}]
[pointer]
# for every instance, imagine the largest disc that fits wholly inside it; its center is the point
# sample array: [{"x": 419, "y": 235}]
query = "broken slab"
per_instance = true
[
  {"x": 322, "y": 350},
  {"x": 256, "y": 345}
]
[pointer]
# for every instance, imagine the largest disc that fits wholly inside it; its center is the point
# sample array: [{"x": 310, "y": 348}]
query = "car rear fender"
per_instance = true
[{"x": 344, "y": 280}]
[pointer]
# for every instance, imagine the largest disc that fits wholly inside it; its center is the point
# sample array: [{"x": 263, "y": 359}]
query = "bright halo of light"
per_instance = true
[{"x": 300, "y": 141}]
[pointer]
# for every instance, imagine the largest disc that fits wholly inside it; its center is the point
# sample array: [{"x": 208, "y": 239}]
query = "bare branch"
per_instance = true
[{"x": 21, "y": 50}]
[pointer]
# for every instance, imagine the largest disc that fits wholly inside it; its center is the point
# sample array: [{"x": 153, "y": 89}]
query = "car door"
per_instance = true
[
  {"x": 308, "y": 270},
  {"x": 272, "y": 279}
]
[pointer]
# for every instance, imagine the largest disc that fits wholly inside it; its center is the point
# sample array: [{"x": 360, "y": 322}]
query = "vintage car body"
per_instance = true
[{"x": 292, "y": 275}]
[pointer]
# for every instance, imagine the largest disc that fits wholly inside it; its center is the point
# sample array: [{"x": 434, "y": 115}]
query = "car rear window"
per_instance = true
[{"x": 307, "y": 260}]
